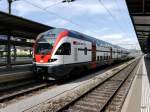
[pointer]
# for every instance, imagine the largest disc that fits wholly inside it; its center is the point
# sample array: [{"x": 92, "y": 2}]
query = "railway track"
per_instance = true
[
  {"x": 97, "y": 99},
  {"x": 9, "y": 92},
  {"x": 17, "y": 88},
  {"x": 106, "y": 97},
  {"x": 16, "y": 76}
]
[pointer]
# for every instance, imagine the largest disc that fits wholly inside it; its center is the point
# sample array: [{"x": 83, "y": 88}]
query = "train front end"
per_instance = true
[{"x": 45, "y": 62}]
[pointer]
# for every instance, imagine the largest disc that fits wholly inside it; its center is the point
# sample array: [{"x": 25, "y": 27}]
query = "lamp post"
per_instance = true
[
  {"x": 9, "y": 6},
  {"x": 9, "y": 38}
]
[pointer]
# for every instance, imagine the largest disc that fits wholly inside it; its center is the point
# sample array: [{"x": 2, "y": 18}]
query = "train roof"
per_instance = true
[{"x": 84, "y": 37}]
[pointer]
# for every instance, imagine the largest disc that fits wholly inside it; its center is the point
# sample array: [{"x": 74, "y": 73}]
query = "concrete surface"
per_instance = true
[
  {"x": 19, "y": 60},
  {"x": 17, "y": 72},
  {"x": 15, "y": 68},
  {"x": 138, "y": 98}
]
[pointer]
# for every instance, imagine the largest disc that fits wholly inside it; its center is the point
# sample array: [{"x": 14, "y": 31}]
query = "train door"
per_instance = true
[
  {"x": 93, "y": 53},
  {"x": 110, "y": 55},
  {"x": 93, "y": 56},
  {"x": 75, "y": 54}
]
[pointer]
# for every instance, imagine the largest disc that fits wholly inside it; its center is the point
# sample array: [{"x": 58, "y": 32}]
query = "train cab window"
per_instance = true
[{"x": 64, "y": 49}]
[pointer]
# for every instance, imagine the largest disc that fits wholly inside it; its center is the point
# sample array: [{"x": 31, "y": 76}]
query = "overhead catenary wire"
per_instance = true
[
  {"x": 117, "y": 5},
  {"x": 52, "y": 5},
  {"x": 112, "y": 16},
  {"x": 45, "y": 9},
  {"x": 64, "y": 1},
  {"x": 61, "y": 17},
  {"x": 119, "y": 8},
  {"x": 60, "y": 2},
  {"x": 52, "y": 13},
  {"x": 91, "y": 22}
]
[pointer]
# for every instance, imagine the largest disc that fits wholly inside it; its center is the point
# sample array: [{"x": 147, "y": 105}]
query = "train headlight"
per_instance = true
[{"x": 52, "y": 60}]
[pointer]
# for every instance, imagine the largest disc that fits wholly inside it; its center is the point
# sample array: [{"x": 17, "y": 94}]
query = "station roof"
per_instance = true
[
  {"x": 20, "y": 27},
  {"x": 140, "y": 14}
]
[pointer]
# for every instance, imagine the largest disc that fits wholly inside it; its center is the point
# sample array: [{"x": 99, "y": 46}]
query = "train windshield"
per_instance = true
[{"x": 45, "y": 44}]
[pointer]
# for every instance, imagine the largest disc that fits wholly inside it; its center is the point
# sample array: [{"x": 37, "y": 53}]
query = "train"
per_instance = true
[{"x": 59, "y": 52}]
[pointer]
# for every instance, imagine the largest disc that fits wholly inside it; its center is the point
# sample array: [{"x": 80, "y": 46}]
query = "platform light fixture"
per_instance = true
[{"x": 64, "y": 1}]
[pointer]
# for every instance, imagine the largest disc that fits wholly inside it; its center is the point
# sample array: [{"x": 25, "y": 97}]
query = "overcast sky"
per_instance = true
[{"x": 107, "y": 20}]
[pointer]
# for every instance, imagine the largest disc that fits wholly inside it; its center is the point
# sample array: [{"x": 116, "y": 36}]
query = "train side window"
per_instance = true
[
  {"x": 85, "y": 51},
  {"x": 64, "y": 49},
  {"x": 97, "y": 58},
  {"x": 101, "y": 58},
  {"x": 107, "y": 57}
]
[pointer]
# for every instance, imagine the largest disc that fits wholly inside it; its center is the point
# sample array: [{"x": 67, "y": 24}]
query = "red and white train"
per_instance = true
[{"x": 59, "y": 52}]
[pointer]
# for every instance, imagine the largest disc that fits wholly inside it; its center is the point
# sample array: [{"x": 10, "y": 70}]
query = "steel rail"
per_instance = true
[{"x": 103, "y": 95}]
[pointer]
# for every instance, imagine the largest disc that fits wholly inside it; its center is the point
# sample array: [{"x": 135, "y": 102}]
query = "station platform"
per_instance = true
[
  {"x": 18, "y": 61},
  {"x": 15, "y": 68},
  {"x": 138, "y": 98},
  {"x": 16, "y": 72}
]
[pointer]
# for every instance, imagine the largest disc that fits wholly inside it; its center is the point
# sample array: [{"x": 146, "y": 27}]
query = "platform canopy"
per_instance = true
[
  {"x": 140, "y": 14},
  {"x": 20, "y": 27}
]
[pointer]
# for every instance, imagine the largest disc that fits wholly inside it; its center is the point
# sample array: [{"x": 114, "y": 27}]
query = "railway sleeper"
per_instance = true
[{"x": 84, "y": 108}]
